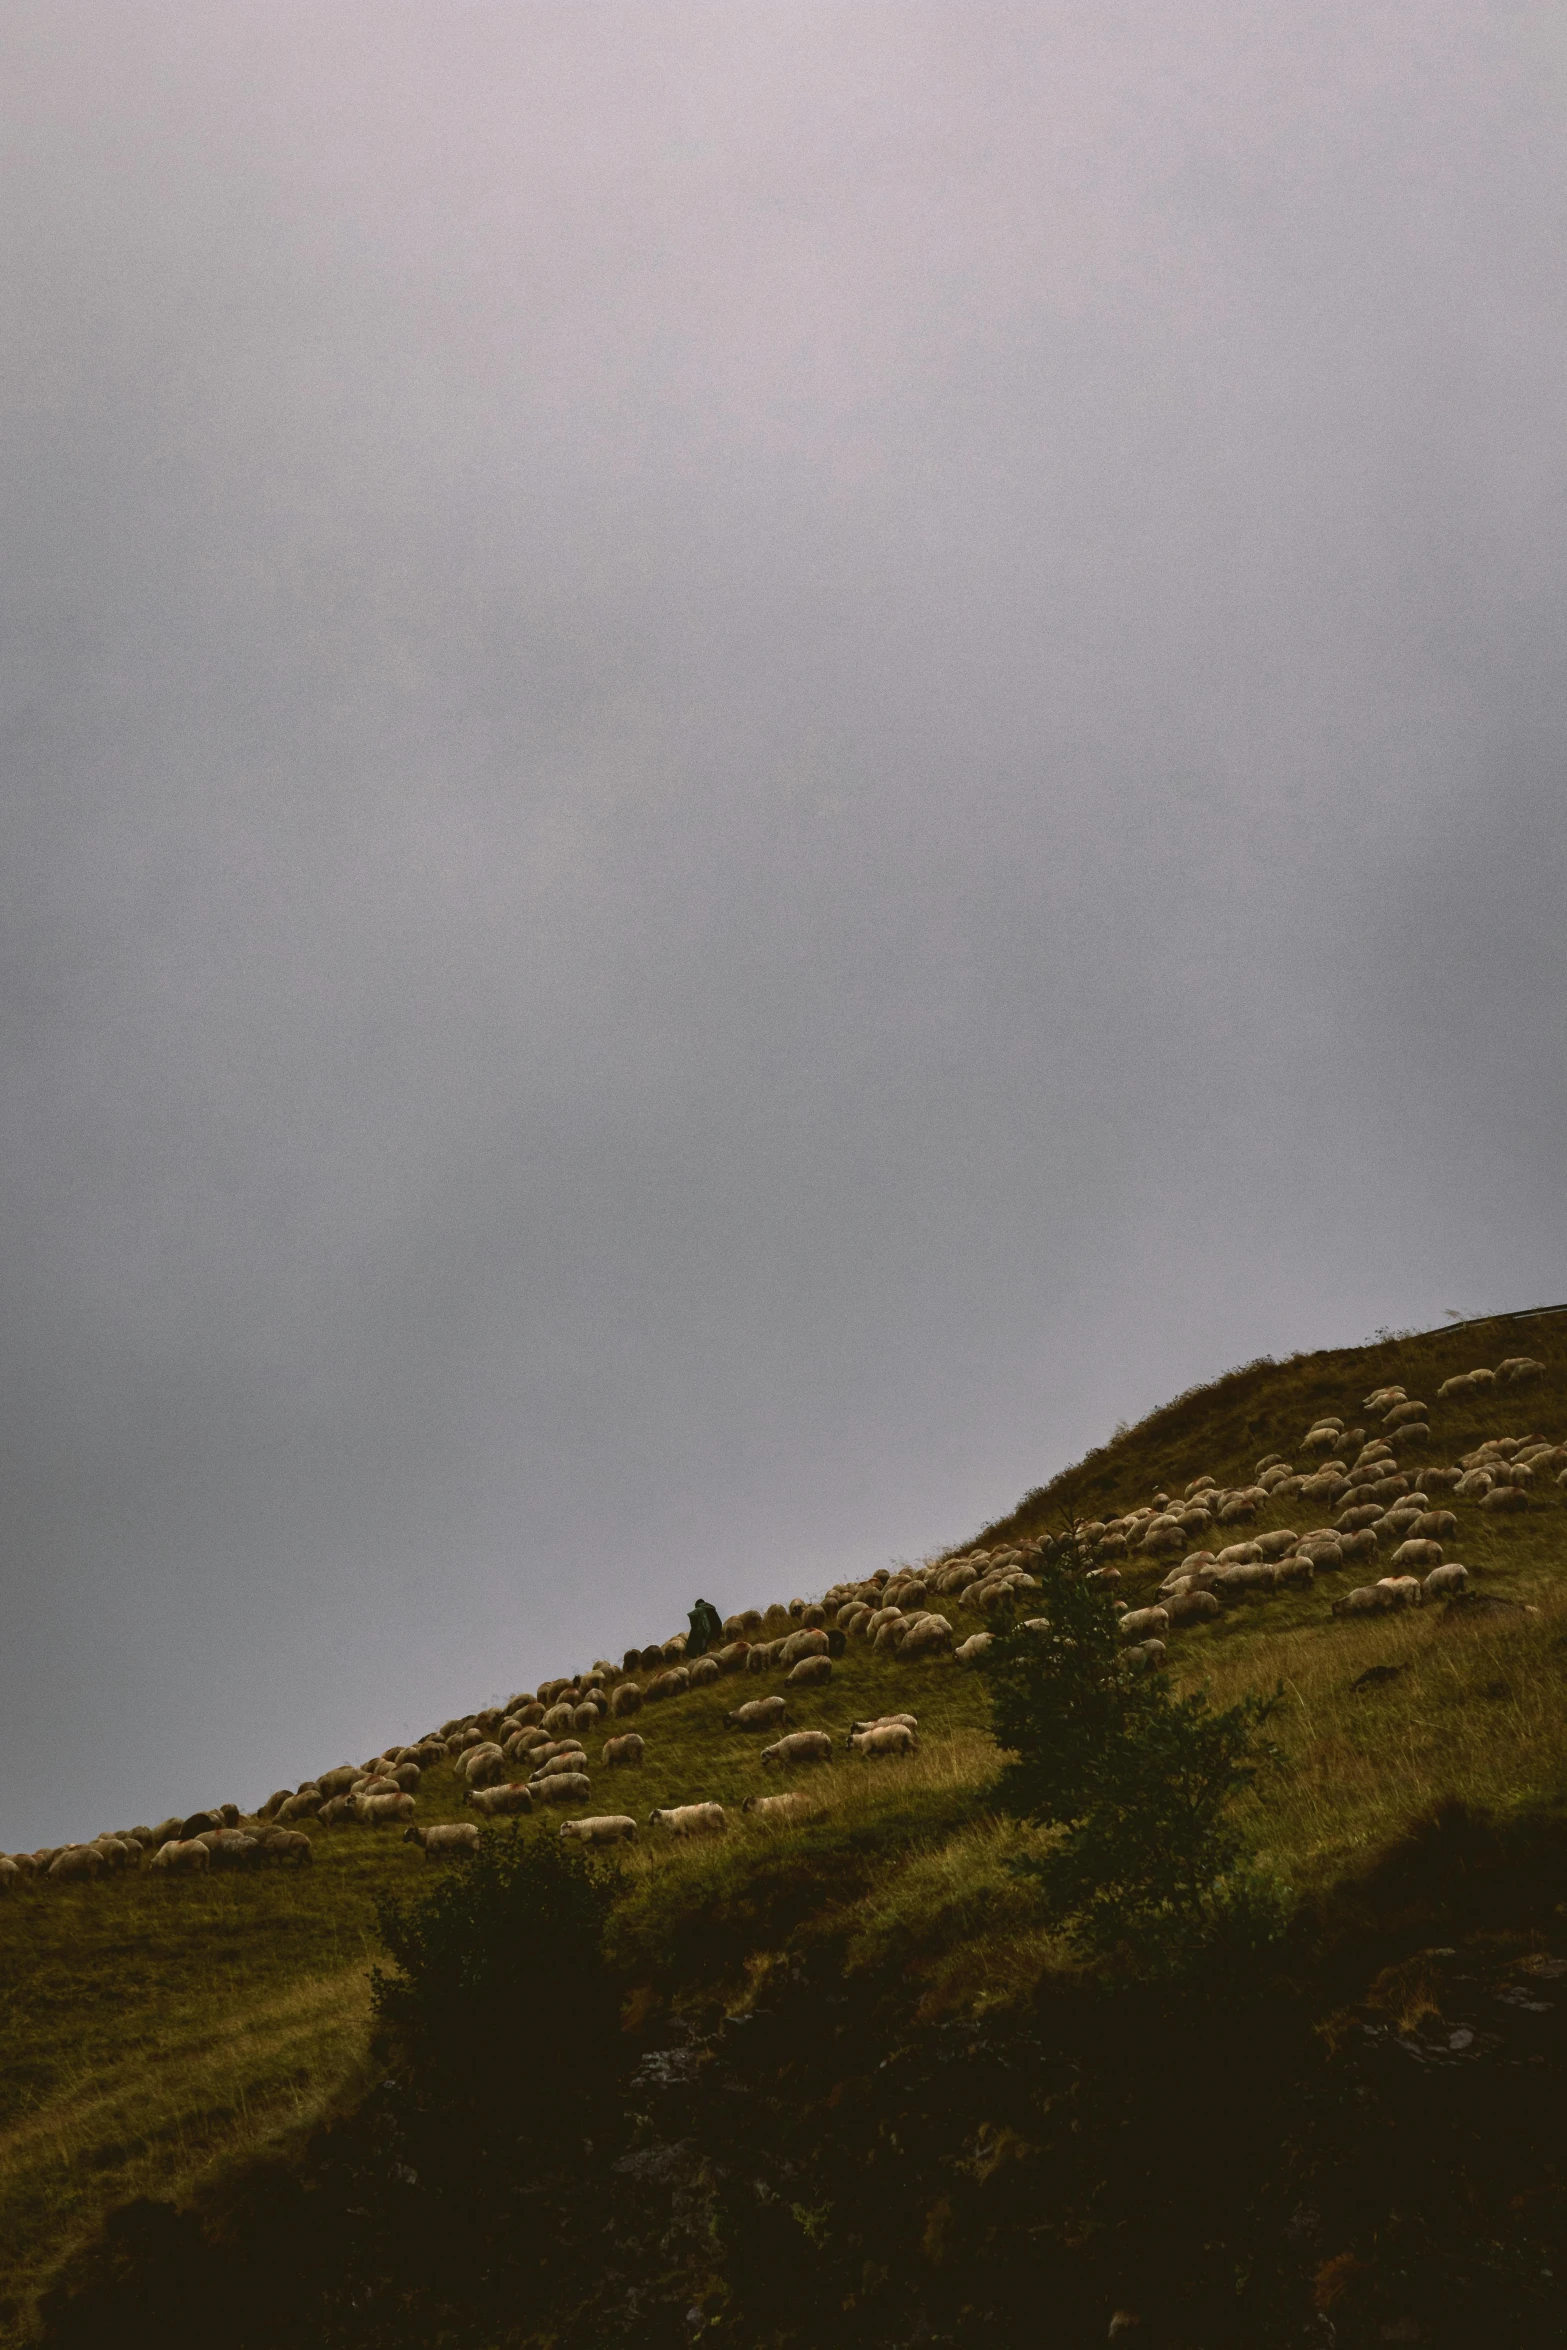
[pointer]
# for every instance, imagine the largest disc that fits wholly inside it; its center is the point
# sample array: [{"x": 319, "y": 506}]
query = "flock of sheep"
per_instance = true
[
  {"x": 531, "y": 1754},
  {"x": 1383, "y": 1499}
]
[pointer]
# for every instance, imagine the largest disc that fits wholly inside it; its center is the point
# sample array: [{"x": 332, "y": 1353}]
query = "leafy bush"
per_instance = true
[
  {"x": 502, "y": 1991},
  {"x": 1140, "y": 1784}
]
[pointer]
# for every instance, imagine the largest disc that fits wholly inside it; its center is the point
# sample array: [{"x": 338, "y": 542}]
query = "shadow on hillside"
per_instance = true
[{"x": 1369, "y": 2154}]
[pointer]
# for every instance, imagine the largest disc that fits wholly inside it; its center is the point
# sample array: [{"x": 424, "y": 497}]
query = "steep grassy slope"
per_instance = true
[{"x": 152, "y": 2030}]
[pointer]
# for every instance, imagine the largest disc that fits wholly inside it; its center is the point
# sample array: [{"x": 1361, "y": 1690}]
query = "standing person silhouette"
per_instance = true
[{"x": 707, "y": 1625}]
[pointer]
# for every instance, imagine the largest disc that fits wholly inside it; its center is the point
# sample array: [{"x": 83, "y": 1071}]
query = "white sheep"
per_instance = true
[
  {"x": 883, "y": 1738},
  {"x": 1446, "y": 1579},
  {"x": 689, "y": 1819},
  {"x": 447, "y": 1840},
  {"x": 800, "y": 1746}
]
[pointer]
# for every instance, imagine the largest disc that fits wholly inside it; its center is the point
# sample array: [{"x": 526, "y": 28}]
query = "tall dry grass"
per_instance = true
[
  {"x": 192, "y": 2092},
  {"x": 1472, "y": 1711}
]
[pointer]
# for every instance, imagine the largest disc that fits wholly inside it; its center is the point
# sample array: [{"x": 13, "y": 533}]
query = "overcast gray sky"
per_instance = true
[{"x": 756, "y": 759}]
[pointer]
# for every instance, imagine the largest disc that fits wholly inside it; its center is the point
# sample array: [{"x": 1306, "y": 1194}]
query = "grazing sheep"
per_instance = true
[
  {"x": 285, "y": 1847},
  {"x": 778, "y": 1807},
  {"x": 10, "y": 1875},
  {"x": 1408, "y": 1590},
  {"x": 883, "y": 1738},
  {"x": 1367, "y": 1599},
  {"x": 1518, "y": 1370},
  {"x": 803, "y": 1643},
  {"x": 1418, "y": 1553},
  {"x": 567, "y": 1787},
  {"x": 626, "y": 1750},
  {"x": 447, "y": 1841},
  {"x": 1436, "y": 1525},
  {"x": 335, "y": 1810},
  {"x": 928, "y": 1636},
  {"x": 1139, "y": 1622},
  {"x": 338, "y": 1781},
  {"x": 731, "y": 1657},
  {"x": 496, "y": 1802},
  {"x": 1240, "y": 1554},
  {"x": 182, "y": 1856},
  {"x": 689, "y": 1819},
  {"x": 1144, "y": 1655},
  {"x": 706, "y": 1669},
  {"x": 674, "y": 1681},
  {"x": 77, "y": 1860},
  {"x": 974, "y": 1647},
  {"x": 602, "y": 1828},
  {"x": 560, "y": 1764},
  {"x": 1191, "y": 1607},
  {"x": 1442, "y": 1581},
  {"x": 1162, "y": 1533},
  {"x": 230, "y": 1848},
  {"x": 626, "y": 1699},
  {"x": 800, "y": 1746},
  {"x": 880, "y": 1722},
  {"x": 1401, "y": 1414},
  {"x": 1249, "y": 1576},
  {"x": 1322, "y": 1543},
  {"x": 1505, "y": 1498},
  {"x": 759, "y": 1713},
  {"x": 1362, "y": 1513},
  {"x": 273, "y": 1804},
  {"x": 372, "y": 1811},
  {"x": 1358, "y": 1546},
  {"x": 1461, "y": 1383},
  {"x": 811, "y": 1669},
  {"x": 198, "y": 1824},
  {"x": 1277, "y": 1545}
]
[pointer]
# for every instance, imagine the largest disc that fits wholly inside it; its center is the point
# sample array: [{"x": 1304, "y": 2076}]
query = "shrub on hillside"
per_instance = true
[
  {"x": 501, "y": 1989},
  {"x": 1149, "y": 1861}
]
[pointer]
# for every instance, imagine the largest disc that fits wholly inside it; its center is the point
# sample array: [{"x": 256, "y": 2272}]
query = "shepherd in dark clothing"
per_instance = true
[{"x": 707, "y": 1625}]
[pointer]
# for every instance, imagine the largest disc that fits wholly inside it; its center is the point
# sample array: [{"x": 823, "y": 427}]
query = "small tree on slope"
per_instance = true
[{"x": 1141, "y": 1785}]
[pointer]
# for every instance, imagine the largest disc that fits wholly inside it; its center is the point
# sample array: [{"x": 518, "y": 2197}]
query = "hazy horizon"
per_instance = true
[{"x": 756, "y": 762}]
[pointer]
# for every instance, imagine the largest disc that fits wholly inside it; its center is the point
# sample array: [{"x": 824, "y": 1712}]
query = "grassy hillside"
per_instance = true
[{"x": 153, "y": 2031}]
